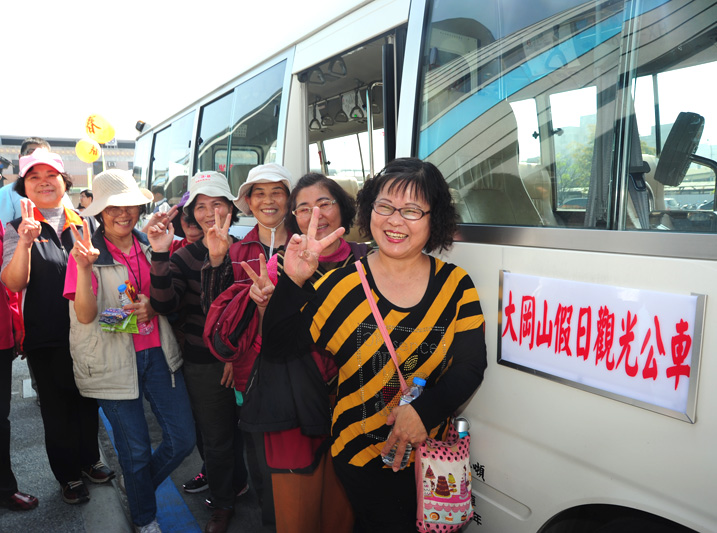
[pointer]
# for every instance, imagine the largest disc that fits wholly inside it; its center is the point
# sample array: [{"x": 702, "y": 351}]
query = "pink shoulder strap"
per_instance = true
[{"x": 380, "y": 324}]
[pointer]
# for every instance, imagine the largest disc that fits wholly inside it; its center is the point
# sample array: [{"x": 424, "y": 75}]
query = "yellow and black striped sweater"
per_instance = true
[{"x": 441, "y": 339}]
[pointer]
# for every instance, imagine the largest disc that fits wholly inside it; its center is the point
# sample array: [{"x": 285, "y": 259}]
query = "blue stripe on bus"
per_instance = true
[
  {"x": 172, "y": 513},
  {"x": 454, "y": 120}
]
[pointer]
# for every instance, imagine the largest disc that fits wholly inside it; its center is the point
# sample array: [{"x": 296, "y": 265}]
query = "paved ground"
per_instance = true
[{"x": 107, "y": 510}]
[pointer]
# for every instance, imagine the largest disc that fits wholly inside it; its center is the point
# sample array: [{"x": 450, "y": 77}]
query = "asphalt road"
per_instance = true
[{"x": 107, "y": 510}]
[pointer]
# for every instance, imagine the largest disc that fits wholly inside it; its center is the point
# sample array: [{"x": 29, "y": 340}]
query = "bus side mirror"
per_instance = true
[{"x": 679, "y": 148}]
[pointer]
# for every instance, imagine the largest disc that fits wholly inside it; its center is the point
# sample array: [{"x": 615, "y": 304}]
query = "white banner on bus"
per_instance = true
[{"x": 632, "y": 345}]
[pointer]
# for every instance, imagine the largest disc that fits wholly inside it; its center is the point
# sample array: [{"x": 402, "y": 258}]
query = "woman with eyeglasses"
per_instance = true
[
  {"x": 120, "y": 369},
  {"x": 36, "y": 248},
  {"x": 431, "y": 311},
  {"x": 289, "y": 401}
]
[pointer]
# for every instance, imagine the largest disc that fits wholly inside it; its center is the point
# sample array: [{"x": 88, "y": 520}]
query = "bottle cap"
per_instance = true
[
  {"x": 419, "y": 381},
  {"x": 122, "y": 288},
  {"x": 462, "y": 425}
]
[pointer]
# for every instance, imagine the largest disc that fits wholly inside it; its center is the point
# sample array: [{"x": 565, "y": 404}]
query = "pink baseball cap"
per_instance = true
[{"x": 40, "y": 156}]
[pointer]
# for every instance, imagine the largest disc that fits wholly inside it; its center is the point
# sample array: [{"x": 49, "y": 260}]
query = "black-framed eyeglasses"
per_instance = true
[
  {"x": 409, "y": 213},
  {"x": 305, "y": 211}
]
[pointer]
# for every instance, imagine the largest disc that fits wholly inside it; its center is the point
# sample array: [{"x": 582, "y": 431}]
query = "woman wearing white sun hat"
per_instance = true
[
  {"x": 176, "y": 288},
  {"x": 119, "y": 368},
  {"x": 264, "y": 195}
]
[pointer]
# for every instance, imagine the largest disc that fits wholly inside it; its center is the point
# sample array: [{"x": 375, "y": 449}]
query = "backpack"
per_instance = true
[{"x": 231, "y": 329}]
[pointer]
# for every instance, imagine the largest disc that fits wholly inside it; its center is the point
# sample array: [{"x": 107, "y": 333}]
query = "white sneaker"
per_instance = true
[{"x": 152, "y": 527}]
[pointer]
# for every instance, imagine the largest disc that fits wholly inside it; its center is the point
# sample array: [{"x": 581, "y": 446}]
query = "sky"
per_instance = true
[{"x": 133, "y": 60}]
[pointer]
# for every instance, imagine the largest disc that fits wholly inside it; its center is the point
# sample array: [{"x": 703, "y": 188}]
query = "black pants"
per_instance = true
[
  {"x": 70, "y": 420},
  {"x": 8, "y": 484},
  {"x": 260, "y": 476},
  {"x": 384, "y": 501},
  {"x": 216, "y": 413}
]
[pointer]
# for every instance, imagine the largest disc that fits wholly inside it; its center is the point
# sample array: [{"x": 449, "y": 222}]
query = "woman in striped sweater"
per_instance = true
[{"x": 433, "y": 315}]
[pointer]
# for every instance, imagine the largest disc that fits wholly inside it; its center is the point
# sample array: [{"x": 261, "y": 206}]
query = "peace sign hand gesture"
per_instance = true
[
  {"x": 160, "y": 236},
  {"x": 217, "y": 238},
  {"x": 263, "y": 288},
  {"x": 302, "y": 253},
  {"x": 29, "y": 229},
  {"x": 161, "y": 218},
  {"x": 83, "y": 251}
]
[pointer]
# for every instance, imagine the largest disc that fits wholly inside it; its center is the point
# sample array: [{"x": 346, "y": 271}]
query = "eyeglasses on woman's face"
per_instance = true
[
  {"x": 113, "y": 211},
  {"x": 305, "y": 211},
  {"x": 409, "y": 213}
]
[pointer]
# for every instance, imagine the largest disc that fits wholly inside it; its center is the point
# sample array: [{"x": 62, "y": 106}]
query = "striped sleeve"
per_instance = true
[
  {"x": 466, "y": 353},
  {"x": 166, "y": 290}
]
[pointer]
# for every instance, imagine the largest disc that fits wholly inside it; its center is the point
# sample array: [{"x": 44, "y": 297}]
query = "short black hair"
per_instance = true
[
  {"x": 87, "y": 194},
  {"x": 33, "y": 140},
  {"x": 428, "y": 183},
  {"x": 188, "y": 210},
  {"x": 347, "y": 205},
  {"x": 20, "y": 184}
]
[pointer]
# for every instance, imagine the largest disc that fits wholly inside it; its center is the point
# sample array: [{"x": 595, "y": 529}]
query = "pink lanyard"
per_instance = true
[{"x": 380, "y": 324}]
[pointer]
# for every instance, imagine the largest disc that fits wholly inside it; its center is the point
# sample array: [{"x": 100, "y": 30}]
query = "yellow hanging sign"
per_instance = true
[
  {"x": 87, "y": 150},
  {"x": 99, "y": 129}
]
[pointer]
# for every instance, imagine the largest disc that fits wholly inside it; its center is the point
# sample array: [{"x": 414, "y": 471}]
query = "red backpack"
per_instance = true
[{"x": 231, "y": 329}]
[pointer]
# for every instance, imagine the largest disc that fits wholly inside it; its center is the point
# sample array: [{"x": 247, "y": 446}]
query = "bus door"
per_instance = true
[{"x": 351, "y": 110}]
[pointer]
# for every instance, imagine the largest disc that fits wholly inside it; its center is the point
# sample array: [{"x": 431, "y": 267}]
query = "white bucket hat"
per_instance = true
[
  {"x": 114, "y": 187},
  {"x": 208, "y": 183},
  {"x": 269, "y": 173}
]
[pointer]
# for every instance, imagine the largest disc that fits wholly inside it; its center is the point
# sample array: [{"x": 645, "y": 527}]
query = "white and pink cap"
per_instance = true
[
  {"x": 40, "y": 156},
  {"x": 209, "y": 183}
]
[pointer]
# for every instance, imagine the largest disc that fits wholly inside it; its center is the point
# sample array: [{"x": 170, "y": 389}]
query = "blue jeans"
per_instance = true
[{"x": 143, "y": 469}]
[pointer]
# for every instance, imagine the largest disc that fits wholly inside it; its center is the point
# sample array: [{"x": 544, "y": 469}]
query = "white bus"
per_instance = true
[{"x": 559, "y": 125}]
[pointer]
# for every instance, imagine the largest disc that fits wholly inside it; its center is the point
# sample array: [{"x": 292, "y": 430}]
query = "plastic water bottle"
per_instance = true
[
  {"x": 414, "y": 392},
  {"x": 144, "y": 328}
]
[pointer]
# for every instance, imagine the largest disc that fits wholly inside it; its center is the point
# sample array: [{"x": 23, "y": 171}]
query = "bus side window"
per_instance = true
[
  {"x": 534, "y": 171},
  {"x": 171, "y": 155},
  {"x": 572, "y": 130},
  {"x": 492, "y": 191},
  {"x": 689, "y": 204},
  {"x": 213, "y": 135},
  {"x": 241, "y": 127},
  {"x": 565, "y": 67}
]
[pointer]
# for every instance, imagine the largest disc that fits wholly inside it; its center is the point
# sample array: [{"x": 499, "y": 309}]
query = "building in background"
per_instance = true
[{"x": 117, "y": 154}]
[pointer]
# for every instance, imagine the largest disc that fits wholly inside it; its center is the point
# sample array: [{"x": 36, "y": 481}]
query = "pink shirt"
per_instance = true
[{"x": 137, "y": 264}]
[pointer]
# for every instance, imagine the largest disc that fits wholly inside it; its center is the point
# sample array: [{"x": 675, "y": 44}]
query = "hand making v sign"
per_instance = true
[
  {"x": 263, "y": 288},
  {"x": 217, "y": 238},
  {"x": 302, "y": 253},
  {"x": 160, "y": 236},
  {"x": 29, "y": 229},
  {"x": 84, "y": 253}
]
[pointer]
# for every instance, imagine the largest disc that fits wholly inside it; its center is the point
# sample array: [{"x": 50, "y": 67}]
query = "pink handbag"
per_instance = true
[
  {"x": 443, "y": 483},
  {"x": 443, "y": 470}
]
